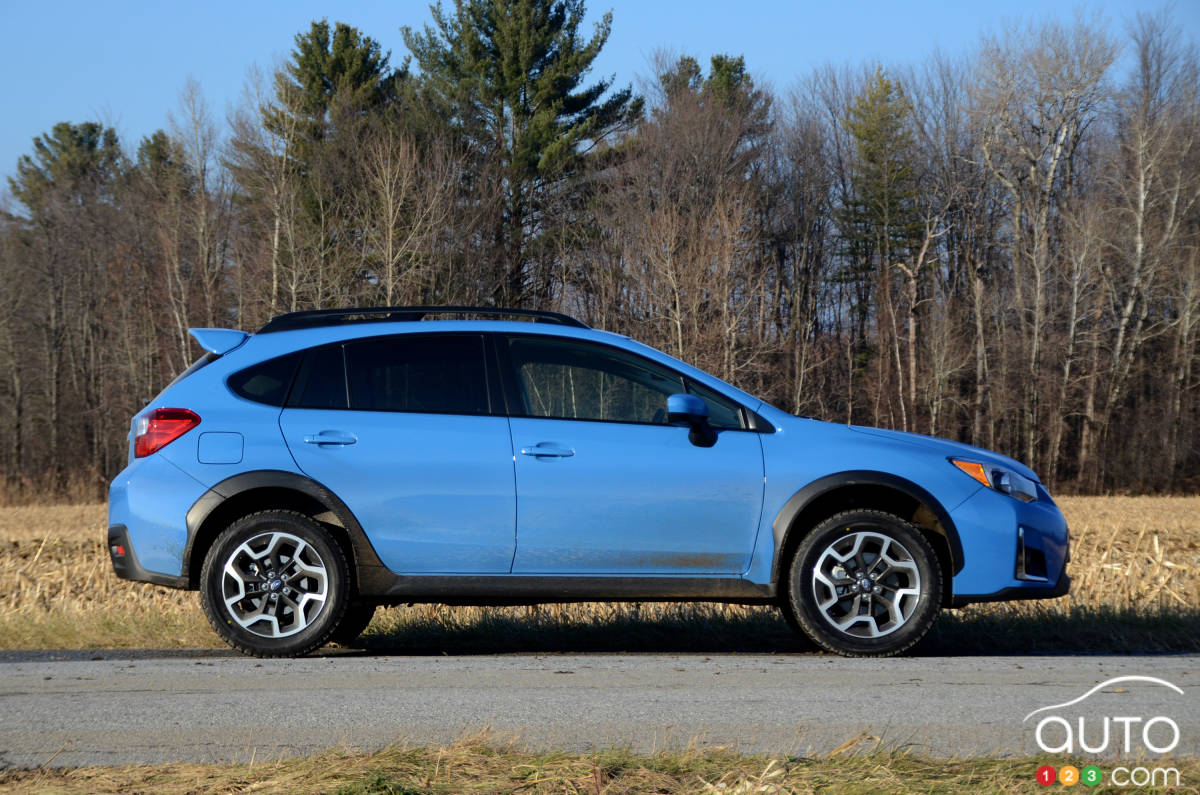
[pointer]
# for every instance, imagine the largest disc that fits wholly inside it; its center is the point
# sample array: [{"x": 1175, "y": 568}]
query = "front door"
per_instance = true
[{"x": 605, "y": 486}]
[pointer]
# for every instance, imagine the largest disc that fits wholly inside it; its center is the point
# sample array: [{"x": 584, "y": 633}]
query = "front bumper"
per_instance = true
[
  {"x": 1011, "y": 549},
  {"x": 1060, "y": 588}
]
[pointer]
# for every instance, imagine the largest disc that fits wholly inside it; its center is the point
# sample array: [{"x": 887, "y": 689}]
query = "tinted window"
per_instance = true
[
  {"x": 431, "y": 374},
  {"x": 572, "y": 380},
  {"x": 722, "y": 412},
  {"x": 266, "y": 382},
  {"x": 321, "y": 382}
]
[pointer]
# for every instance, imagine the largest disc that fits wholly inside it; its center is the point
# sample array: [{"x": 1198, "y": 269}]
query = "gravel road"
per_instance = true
[{"x": 114, "y": 707}]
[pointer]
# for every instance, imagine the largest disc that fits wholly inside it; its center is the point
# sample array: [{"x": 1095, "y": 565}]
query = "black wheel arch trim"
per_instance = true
[
  {"x": 366, "y": 569},
  {"x": 784, "y": 520}
]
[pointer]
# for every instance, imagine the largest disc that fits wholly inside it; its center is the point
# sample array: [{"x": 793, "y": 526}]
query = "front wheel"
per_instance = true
[
  {"x": 865, "y": 584},
  {"x": 275, "y": 584}
]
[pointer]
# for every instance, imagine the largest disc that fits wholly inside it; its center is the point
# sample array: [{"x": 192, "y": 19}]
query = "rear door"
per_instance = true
[
  {"x": 402, "y": 428},
  {"x": 605, "y": 486}
]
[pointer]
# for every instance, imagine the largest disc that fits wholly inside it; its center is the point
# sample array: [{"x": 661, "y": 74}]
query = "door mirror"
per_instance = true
[{"x": 692, "y": 412}]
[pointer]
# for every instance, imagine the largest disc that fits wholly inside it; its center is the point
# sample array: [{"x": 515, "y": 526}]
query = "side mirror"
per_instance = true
[{"x": 692, "y": 412}]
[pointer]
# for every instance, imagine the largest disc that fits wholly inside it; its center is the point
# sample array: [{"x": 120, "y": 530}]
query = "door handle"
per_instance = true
[
  {"x": 331, "y": 438},
  {"x": 547, "y": 450}
]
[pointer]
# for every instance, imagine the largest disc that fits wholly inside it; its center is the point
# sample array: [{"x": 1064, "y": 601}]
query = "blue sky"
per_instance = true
[{"x": 124, "y": 63}]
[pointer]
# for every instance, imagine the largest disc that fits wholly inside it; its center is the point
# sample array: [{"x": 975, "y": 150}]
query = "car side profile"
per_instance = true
[{"x": 338, "y": 460}]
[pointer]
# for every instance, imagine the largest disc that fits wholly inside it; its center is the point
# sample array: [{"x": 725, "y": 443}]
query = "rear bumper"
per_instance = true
[
  {"x": 125, "y": 562},
  {"x": 148, "y": 503}
]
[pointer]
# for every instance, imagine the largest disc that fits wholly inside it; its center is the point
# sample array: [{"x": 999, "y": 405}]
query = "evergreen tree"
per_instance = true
[
  {"x": 882, "y": 208},
  {"x": 508, "y": 75},
  {"x": 74, "y": 162},
  {"x": 333, "y": 76},
  {"x": 880, "y": 217}
]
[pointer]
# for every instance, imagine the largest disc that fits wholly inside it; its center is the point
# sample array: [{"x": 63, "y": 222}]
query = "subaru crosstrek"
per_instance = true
[{"x": 336, "y": 461}]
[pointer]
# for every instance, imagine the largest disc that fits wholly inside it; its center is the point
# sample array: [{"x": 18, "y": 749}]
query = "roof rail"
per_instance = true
[{"x": 316, "y": 318}]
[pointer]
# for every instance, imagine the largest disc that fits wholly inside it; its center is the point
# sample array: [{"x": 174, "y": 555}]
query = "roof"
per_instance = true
[{"x": 316, "y": 318}]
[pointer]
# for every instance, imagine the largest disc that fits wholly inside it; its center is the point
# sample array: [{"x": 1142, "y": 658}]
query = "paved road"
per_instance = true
[{"x": 70, "y": 709}]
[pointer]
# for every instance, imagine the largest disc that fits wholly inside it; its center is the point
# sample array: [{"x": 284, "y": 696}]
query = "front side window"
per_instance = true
[
  {"x": 565, "y": 379},
  {"x": 723, "y": 413},
  {"x": 419, "y": 373}
]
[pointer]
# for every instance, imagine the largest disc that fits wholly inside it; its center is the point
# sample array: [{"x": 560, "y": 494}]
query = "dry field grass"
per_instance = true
[
  {"x": 1136, "y": 570},
  {"x": 480, "y": 765}
]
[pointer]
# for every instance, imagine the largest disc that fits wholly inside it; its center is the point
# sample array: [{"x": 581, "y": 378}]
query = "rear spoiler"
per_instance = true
[{"x": 218, "y": 340}]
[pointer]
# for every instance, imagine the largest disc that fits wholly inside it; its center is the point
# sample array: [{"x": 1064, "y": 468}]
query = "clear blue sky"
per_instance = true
[{"x": 124, "y": 62}]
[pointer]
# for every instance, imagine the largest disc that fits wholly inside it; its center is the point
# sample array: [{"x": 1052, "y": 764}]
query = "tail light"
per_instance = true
[{"x": 160, "y": 427}]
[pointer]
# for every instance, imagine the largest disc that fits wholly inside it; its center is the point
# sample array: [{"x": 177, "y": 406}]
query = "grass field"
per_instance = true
[
  {"x": 1135, "y": 564},
  {"x": 479, "y": 765}
]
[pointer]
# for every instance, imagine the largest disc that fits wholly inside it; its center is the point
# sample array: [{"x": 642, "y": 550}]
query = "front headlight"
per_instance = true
[{"x": 1002, "y": 479}]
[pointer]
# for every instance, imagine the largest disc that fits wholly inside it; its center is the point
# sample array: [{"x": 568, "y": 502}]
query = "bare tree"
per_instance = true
[{"x": 1038, "y": 91}]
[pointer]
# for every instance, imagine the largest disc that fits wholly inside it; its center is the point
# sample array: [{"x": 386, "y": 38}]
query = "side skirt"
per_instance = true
[{"x": 385, "y": 587}]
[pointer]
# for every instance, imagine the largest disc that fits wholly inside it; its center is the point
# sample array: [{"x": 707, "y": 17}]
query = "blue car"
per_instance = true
[{"x": 335, "y": 461}]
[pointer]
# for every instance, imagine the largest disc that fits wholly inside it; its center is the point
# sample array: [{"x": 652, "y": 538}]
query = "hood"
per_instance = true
[{"x": 950, "y": 449}]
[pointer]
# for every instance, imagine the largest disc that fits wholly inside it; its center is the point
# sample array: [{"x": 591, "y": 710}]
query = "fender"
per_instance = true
[
  {"x": 370, "y": 570},
  {"x": 860, "y": 477}
]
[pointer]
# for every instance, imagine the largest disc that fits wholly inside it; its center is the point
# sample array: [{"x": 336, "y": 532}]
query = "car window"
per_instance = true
[
  {"x": 421, "y": 373},
  {"x": 321, "y": 382},
  {"x": 722, "y": 412},
  {"x": 265, "y": 382},
  {"x": 567, "y": 379}
]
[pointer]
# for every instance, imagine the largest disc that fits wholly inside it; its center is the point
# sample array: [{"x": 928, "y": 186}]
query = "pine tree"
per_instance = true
[
  {"x": 880, "y": 218},
  {"x": 882, "y": 209},
  {"x": 73, "y": 162},
  {"x": 882, "y": 226},
  {"x": 332, "y": 76},
  {"x": 508, "y": 75}
]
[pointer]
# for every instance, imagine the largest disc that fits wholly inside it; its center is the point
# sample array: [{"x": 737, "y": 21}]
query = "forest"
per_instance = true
[{"x": 1000, "y": 247}]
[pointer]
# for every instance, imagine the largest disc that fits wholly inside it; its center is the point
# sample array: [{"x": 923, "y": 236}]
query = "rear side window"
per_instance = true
[
  {"x": 321, "y": 382},
  {"x": 265, "y": 382},
  {"x": 433, "y": 374}
]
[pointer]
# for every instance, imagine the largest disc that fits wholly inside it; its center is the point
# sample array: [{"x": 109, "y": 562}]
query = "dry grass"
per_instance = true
[
  {"x": 480, "y": 764},
  {"x": 1136, "y": 570}
]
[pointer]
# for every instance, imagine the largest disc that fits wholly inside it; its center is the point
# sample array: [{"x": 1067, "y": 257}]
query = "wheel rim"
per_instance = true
[
  {"x": 866, "y": 584},
  {"x": 274, "y": 585}
]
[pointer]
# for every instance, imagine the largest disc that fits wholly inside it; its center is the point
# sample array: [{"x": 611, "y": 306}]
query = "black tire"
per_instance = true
[
  {"x": 291, "y": 608},
  {"x": 356, "y": 619},
  {"x": 884, "y": 611}
]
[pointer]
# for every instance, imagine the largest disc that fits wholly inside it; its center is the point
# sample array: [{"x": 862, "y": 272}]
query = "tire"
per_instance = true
[
  {"x": 356, "y": 619},
  {"x": 884, "y": 611},
  {"x": 291, "y": 608}
]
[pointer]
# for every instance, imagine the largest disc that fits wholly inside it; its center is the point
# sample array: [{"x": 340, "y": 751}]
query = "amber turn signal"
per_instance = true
[{"x": 973, "y": 469}]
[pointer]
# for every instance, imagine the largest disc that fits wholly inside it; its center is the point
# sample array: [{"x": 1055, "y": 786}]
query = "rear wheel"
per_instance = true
[
  {"x": 865, "y": 584},
  {"x": 275, "y": 584}
]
